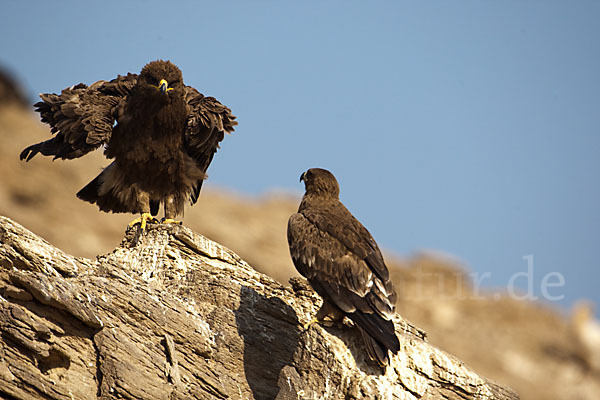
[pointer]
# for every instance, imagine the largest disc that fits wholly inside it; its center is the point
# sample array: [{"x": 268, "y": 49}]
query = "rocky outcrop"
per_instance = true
[{"x": 169, "y": 314}]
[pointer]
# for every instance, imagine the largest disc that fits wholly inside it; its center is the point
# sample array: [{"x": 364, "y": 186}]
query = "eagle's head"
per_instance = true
[
  {"x": 161, "y": 77},
  {"x": 320, "y": 182}
]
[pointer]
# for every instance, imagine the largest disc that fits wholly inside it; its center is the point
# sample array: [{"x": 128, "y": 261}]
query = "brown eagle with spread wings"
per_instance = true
[
  {"x": 343, "y": 264},
  {"x": 161, "y": 134}
]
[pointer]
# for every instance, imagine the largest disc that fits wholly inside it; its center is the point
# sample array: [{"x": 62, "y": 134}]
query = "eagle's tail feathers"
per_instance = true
[
  {"x": 90, "y": 191},
  {"x": 196, "y": 192},
  {"x": 107, "y": 201},
  {"x": 379, "y": 335},
  {"x": 154, "y": 206},
  {"x": 375, "y": 350}
]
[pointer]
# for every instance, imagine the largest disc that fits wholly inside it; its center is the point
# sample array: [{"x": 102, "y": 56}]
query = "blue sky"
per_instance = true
[{"x": 467, "y": 127}]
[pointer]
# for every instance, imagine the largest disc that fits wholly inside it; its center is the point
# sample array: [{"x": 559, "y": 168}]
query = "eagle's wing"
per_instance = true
[
  {"x": 207, "y": 122},
  {"x": 81, "y": 117}
]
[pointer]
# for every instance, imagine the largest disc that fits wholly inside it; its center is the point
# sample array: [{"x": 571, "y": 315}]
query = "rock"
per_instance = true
[{"x": 169, "y": 314}]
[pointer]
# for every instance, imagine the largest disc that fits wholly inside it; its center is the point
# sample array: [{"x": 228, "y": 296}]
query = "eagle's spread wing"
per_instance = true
[
  {"x": 208, "y": 120},
  {"x": 81, "y": 117}
]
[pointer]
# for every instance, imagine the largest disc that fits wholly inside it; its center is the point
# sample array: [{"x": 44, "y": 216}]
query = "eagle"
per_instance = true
[
  {"x": 343, "y": 264},
  {"x": 161, "y": 135}
]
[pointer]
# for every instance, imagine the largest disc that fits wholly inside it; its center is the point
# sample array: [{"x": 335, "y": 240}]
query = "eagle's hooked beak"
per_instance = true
[
  {"x": 163, "y": 86},
  {"x": 302, "y": 176}
]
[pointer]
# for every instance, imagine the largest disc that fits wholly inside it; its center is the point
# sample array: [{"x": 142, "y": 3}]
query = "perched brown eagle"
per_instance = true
[
  {"x": 343, "y": 264},
  {"x": 161, "y": 134}
]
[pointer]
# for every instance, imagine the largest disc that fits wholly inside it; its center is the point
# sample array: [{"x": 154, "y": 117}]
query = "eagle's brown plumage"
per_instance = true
[
  {"x": 161, "y": 134},
  {"x": 344, "y": 265}
]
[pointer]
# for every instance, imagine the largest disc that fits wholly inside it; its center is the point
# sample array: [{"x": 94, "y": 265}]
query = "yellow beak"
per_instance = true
[{"x": 163, "y": 86}]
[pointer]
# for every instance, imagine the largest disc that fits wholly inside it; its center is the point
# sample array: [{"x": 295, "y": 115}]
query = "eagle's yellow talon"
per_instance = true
[
  {"x": 142, "y": 220},
  {"x": 312, "y": 321}
]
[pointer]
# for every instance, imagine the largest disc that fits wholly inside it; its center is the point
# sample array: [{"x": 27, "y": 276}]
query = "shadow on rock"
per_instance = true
[
  {"x": 260, "y": 321},
  {"x": 351, "y": 336}
]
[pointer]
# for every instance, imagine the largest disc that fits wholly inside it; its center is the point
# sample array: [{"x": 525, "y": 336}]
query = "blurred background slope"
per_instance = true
[{"x": 533, "y": 347}]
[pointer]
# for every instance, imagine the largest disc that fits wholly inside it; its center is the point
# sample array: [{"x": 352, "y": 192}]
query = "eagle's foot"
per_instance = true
[
  {"x": 327, "y": 321},
  {"x": 143, "y": 220},
  {"x": 170, "y": 221},
  {"x": 310, "y": 323}
]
